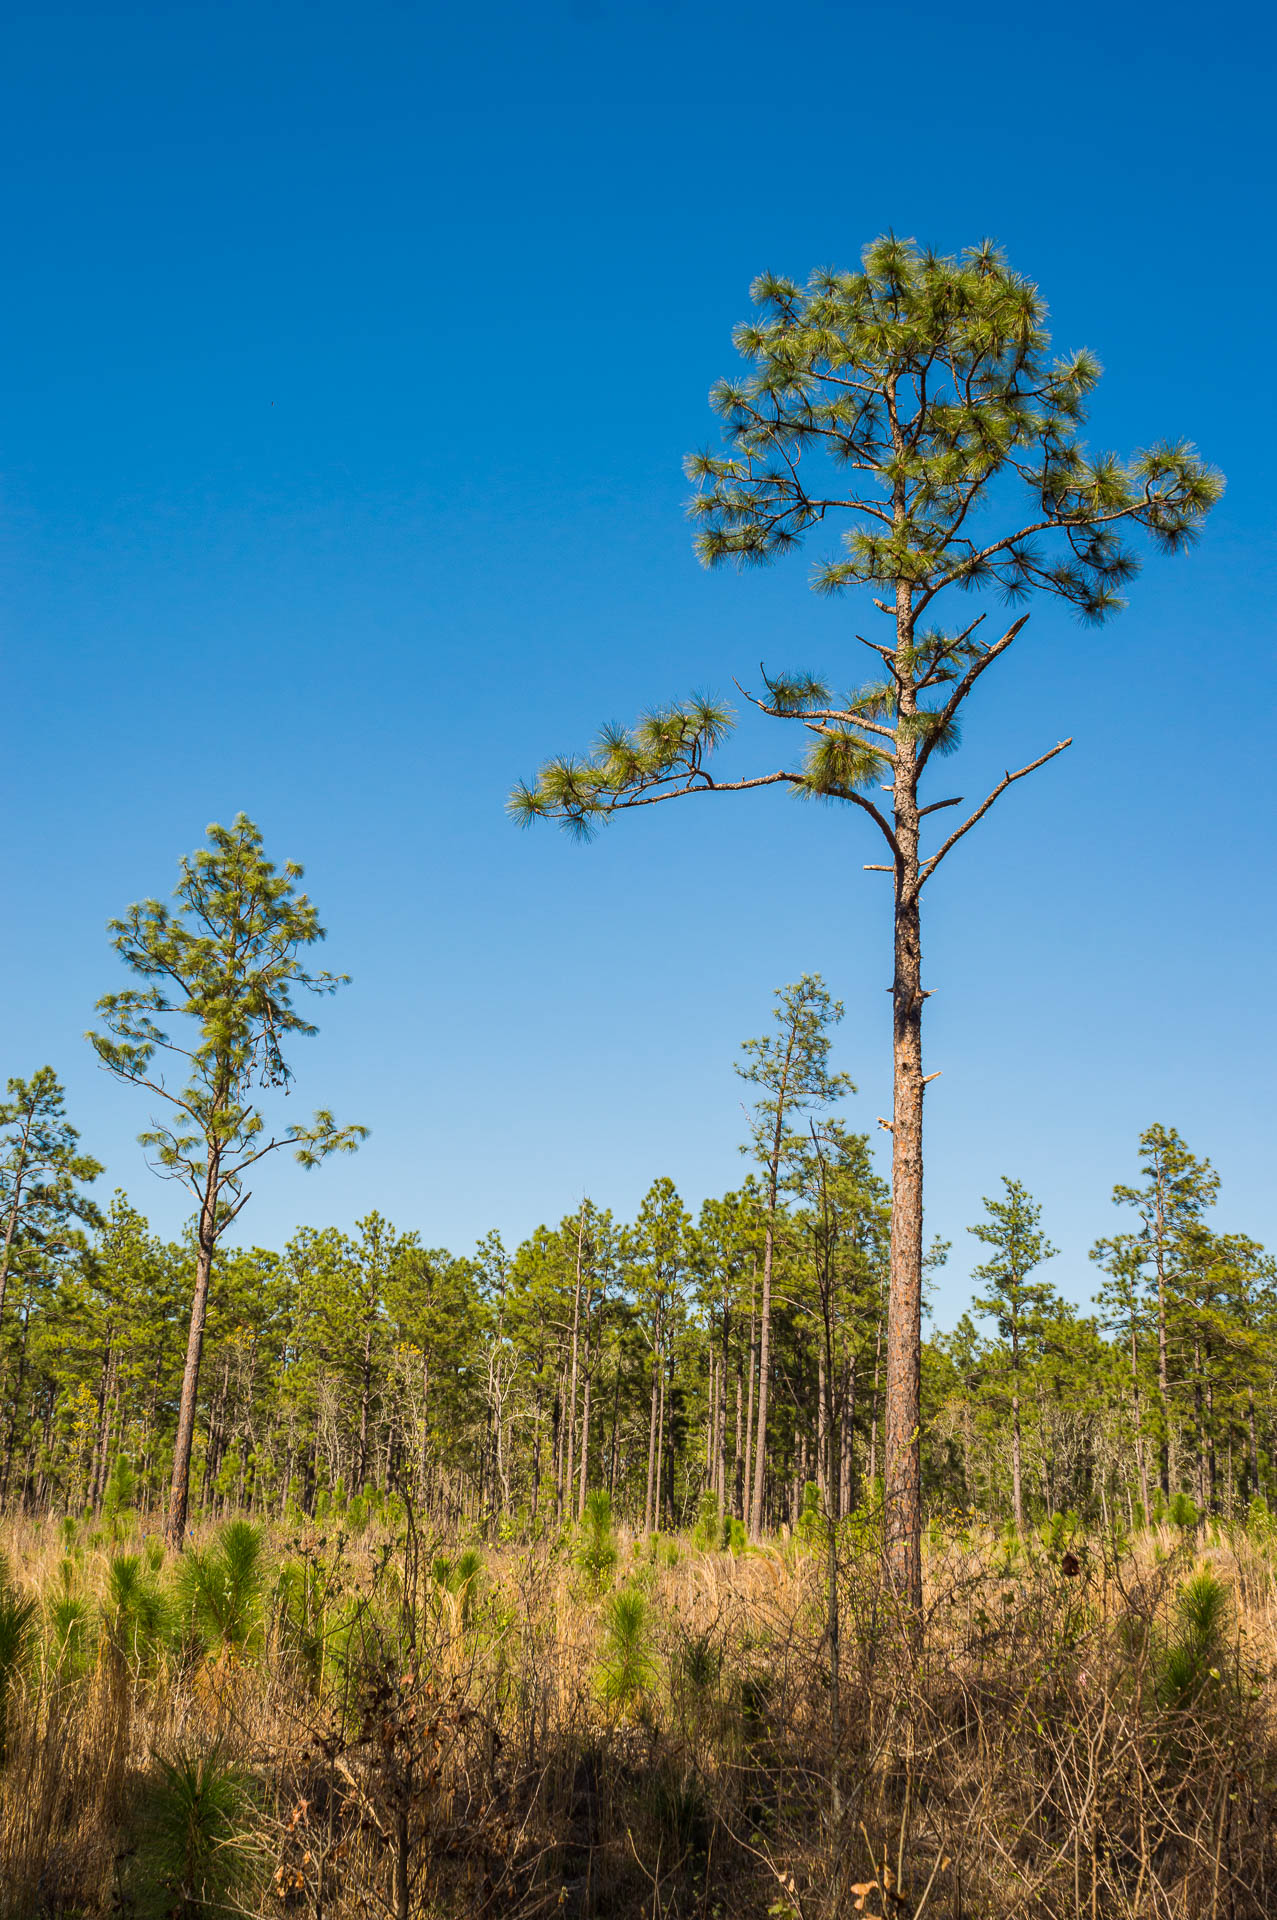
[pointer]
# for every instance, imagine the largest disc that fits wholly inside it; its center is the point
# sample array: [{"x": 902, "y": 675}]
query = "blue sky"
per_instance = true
[{"x": 349, "y": 358}]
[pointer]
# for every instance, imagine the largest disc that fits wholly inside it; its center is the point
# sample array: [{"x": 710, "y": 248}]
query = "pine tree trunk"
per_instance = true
[
  {"x": 1137, "y": 1421},
  {"x": 749, "y": 1414},
  {"x": 423, "y": 1462},
  {"x": 847, "y": 1441},
  {"x": 365, "y": 1399},
  {"x": 585, "y": 1447},
  {"x": 1017, "y": 1473},
  {"x": 765, "y": 1337},
  {"x": 179, "y": 1489},
  {"x": 720, "y": 1463},
  {"x": 823, "y": 1474},
  {"x": 616, "y": 1420},
  {"x": 556, "y": 1419},
  {"x": 98, "y": 1486},
  {"x": 876, "y": 1406},
  {"x": 902, "y": 1501},
  {"x": 649, "y": 1507},
  {"x": 764, "y": 1369},
  {"x": 576, "y": 1342},
  {"x": 1200, "y": 1423},
  {"x": 1163, "y": 1369},
  {"x": 738, "y": 1456},
  {"x": 660, "y": 1457},
  {"x": 536, "y": 1457}
]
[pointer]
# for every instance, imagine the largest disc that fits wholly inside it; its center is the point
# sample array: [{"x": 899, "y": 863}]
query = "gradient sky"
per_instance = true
[{"x": 349, "y": 358}]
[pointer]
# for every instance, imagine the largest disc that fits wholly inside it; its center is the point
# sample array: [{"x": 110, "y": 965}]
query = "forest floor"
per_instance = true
[{"x": 301, "y": 1722}]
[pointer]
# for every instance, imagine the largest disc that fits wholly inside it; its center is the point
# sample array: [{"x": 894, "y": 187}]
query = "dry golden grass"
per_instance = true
[{"x": 1071, "y": 1739}]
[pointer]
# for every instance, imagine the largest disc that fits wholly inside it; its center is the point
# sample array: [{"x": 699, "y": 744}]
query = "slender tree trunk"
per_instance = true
[
  {"x": 98, "y": 1487},
  {"x": 536, "y": 1455},
  {"x": 823, "y": 1474},
  {"x": 875, "y": 1410},
  {"x": 585, "y": 1447},
  {"x": 1252, "y": 1444},
  {"x": 1199, "y": 1421},
  {"x": 720, "y": 1415},
  {"x": 556, "y": 1427},
  {"x": 215, "y": 1444},
  {"x": 738, "y": 1457},
  {"x": 660, "y": 1456},
  {"x": 576, "y": 1339},
  {"x": 365, "y": 1399},
  {"x": 764, "y": 1370},
  {"x": 847, "y": 1440},
  {"x": 1163, "y": 1368},
  {"x": 1017, "y": 1449},
  {"x": 616, "y": 1418},
  {"x": 901, "y": 1450},
  {"x": 179, "y": 1489},
  {"x": 649, "y": 1509},
  {"x": 1137, "y": 1421},
  {"x": 749, "y": 1415},
  {"x": 765, "y": 1337}
]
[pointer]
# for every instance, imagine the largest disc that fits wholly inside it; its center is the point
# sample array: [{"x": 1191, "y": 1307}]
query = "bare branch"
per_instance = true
[
  {"x": 930, "y": 865},
  {"x": 707, "y": 785}
]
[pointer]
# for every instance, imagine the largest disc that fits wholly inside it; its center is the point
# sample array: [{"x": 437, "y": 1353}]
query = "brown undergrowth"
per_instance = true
[{"x": 310, "y": 1724}]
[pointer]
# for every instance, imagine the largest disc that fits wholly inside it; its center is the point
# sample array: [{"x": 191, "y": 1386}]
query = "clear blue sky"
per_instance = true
[{"x": 349, "y": 358}]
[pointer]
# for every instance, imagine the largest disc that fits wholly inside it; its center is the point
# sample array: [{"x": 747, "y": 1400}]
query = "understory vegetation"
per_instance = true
[{"x": 373, "y": 1717}]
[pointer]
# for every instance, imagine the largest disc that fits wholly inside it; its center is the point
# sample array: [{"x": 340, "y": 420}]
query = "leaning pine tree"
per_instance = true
[{"x": 905, "y": 404}]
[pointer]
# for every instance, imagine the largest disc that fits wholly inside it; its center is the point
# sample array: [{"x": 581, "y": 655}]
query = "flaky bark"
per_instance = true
[
  {"x": 902, "y": 1466},
  {"x": 901, "y": 1455}
]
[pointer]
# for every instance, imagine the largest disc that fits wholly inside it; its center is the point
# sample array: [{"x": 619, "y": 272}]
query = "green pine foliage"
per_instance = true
[
  {"x": 596, "y": 1548},
  {"x": 626, "y": 1670},
  {"x": 220, "y": 1588},
  {"x": 194, "y": 1853}
]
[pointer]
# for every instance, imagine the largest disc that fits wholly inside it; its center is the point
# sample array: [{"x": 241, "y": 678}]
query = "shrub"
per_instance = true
[
  {"x": 219, "y": 1588},
  {"x": 193, "y": 1857},
  {"x": 596, "y": 1550},
  {"x": 17, "y": 1615},
  {"x": 1192, "y": 1660},
  {"x": 70, "y": 1630},
  {"x": 626, "y": 1669},
  {"x": 1182, "y": 1512},
  {"x": 457, "y": 1583},
  {"x": 811, "y": 1521},
  {"x": 121, "y": 1488},
  {"x": 135, "y": 1612}
]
